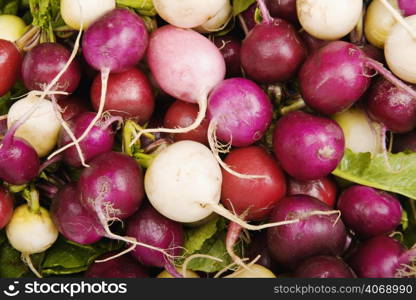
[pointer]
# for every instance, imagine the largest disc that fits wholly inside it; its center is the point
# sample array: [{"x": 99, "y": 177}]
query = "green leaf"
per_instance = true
[
  {"x": 143, "y": 7},
  {"x": 66, "y": 257},
  {"x": 196, "y": 237},
  {"x": 11, "y": 7},
  {"x": 241, "y": 5},
  {"x": 391, "y": 172},
  {"x": 9, "y": 98}
]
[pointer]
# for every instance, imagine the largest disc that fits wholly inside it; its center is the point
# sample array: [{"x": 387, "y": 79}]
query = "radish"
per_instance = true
[
  {"x": 323, "y": 189},
  {"x": 84, "y": 11},
  {"x": 324, "y": 267},
  {"x": 99, "y": 140},
  {"x": 392, "y": 106},
  {"x": 41, "y": 129},
  {"x": 219, "y": 21},
  {"x": 253, "y": 271},
  {"x": 44, "y": 62},
  {"x": 183, "y": 114},
  {"x": 257, "y": 247},
  {"x": 185, "y": 65},
  {"x": 188, "y": 13},
  {"x": 10, "y": 63},
  {"x": 247, "y": 18},
  {"x": 360, "y": 132},
  {"x": 230, "y": 48},
  {"x": 11, "y": 27},
  {"x": 382, "y": 257},
  {"x": 308, "y": 147},
  {"x": 129, "y": 95},
  {"x": 120, "y": 32},
  {"x": 285, "y": 9},
  {"x": 72, "y": 106},
  {"x": 31, "y": 230},
  {"x": 6, "y": 207},
  {"x": 149, "y": 227},
  {"x": 312, "y": 43},
  {"x": 333, "y": 78},
  {"x": 72, "y": 220},
  {"x": 407, "y": 7},
  {"x": 399, "y": 49},
  {"x": 405, "y": 142},
  {"x": 378, "y": 22},
  {"x": 188, "y": 274},
  {"x": 272, "y": 51},
  {"x": 120, "y": 267},
  {"x": 314, "y": 235},
  {"x": 369, "y": 212},
  {"x": 328, "y": 19}
]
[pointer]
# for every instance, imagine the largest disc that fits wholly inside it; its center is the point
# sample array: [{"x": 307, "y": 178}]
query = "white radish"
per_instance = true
[
  {"x": 329, "y": 19},
  {"x": 11, "y": 27},
  {"x": 91, "y": 11},
  {"x": 188, "y": 13},
  {"x": 378, "y": 22},
  {"x": 400, "y": 49},
  {"x": 219, "y": 21},
  {"x": 42, "y": 128}
]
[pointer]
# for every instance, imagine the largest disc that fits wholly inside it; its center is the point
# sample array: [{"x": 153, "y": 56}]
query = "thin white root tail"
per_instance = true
[
  {"x": 200, "y": 117},
  {"x": 27, "y": 260},
  {"x": 240, "y": 270},
  {"x": 217, "y": 148},
  {"x": 191, "y": 257},
  {"x": 221, "y": 210},
  {"x": 398, "y": 17}
]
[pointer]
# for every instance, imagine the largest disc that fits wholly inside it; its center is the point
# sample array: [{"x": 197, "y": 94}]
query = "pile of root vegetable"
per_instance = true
[{"x": 215, "y": 138}]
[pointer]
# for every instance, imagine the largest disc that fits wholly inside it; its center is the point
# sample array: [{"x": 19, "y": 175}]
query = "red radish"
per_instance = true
[
  {"x": 149, "y": 227},
  {"x": 324, "y": 267},
  {"x": 72, "y": 220},
  {"x": 10, "y": 63},
  {"x": 44, "y": 62},
  {"x": 120, "y": 267},
  {"x": 369, "y": 212},
  {"x": 382, "y": 257},
  {"x": 247, "y": 18},
  {"x": 405, "y": 142},
  {"x": 407, "y": 7},
  {"x": 392, "y": 106},
  {"x": 272, "y": 51},
  {"x": 121, "y": 33},
  {"x": 312, "y": 43},
  {"x": 72, "y": 106},
  {"x": 308, "y": 147},
  {"x": 6, "y": 207},
  {"x": 314, "y": 235},
  {"x": 186, "y": 65},
  {"x": 285, "y": 9},
  {"x": 335, "y": 77},
  {"x": 230, "y": 48},
  {"x": 129, "y": 95},
  {"x": 183, "y": 114},
  {"x": 323, "y": 189},
  {"x": 99, "y": 140},
  {"x": 256, "y": 196}
]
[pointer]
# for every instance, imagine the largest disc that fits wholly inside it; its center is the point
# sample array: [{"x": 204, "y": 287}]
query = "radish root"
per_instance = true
[{"x": 27, "y": 260}]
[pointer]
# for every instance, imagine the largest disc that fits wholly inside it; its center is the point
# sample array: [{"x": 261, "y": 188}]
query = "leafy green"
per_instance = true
[
  {"x": 241, "y": 5},
  {"x": 208, "y": 239},
  {"x": 10, "y": 7},
  {"x": 143, "y": 7},
  {"x": 66, "y": 257},
  {"x": 390, "y": 172},
  {"x": 7, "y": 100},
  {"x": 46, "y": 15}
]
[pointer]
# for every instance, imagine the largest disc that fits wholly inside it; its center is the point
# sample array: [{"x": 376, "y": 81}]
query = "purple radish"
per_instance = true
[
  {"x": 149, "y": 227},
  {"x": 19, "y": 161},
  {"x": 272, "y": 51},
  {"x": 43, "y": 63},
  {"x": 230, "y": 48},
  {"x": 324, "y": 267},
  {"x": 111, "y": 189},
  {"x": 407, "y": 7},
  {"x": 382, "y": 257},
  {"x": 119, "y": 32},
  {"x": 285, "y": 9},
  {"x": 240, "y": 110},
  {"x": 405, "y": 142},
  {"x": 120, "y": 267},
  {"x": 308, "y": 147},
  {"x": 312, "y": 43},
  {"x": 391, "y": 106},
  {"x": 73, "y": 221},
  {"x": 99, "y": 140},
  {"x": 257, "y": 247},
  {"x": 314, "y": 235},
  {"x": 369, "y": 212},
  {"x": 186, "y": 65},
  {"x": 247, "y": 19},
  {"x": 333, "y": 78}
]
